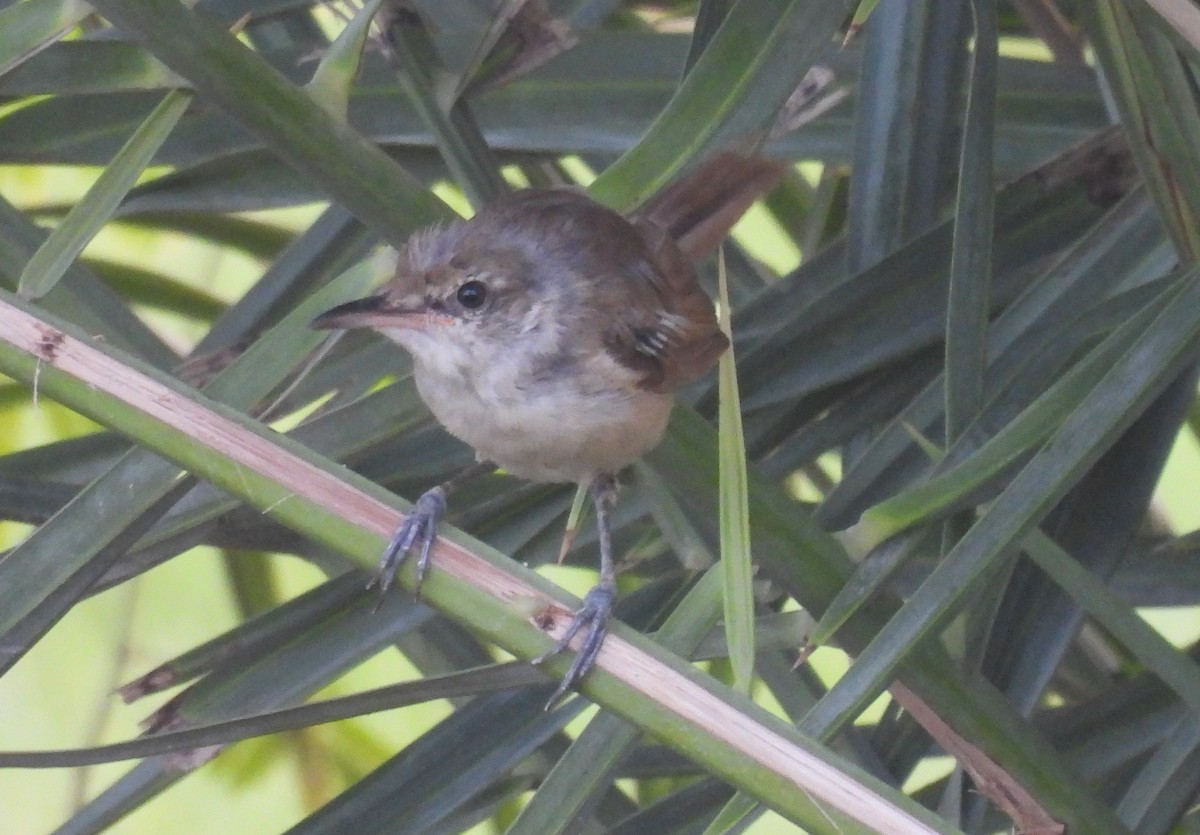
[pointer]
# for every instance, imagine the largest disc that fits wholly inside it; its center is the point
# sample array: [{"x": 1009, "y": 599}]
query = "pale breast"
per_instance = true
[{"x": 548, "y": 431}]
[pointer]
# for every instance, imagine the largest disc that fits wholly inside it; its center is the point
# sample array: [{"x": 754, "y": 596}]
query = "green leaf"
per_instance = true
[
  {"x": 29, "y": 27},
  {"x": 223, "y": 732},
  {"x": 734, "y": 812},
  {"x": 711, "y": 107},
  {"x": 736, "y": 553},
  {"x": 1153, "y": 91},
  {"x": 81, "y": 224},
  {"x": 1156, "y": 357},
  {"x": 227, "y": 74},
  {"x": 334, "y": 77},
  {"x": 960, "y": 477},
  {"x": 1174, "y": 667},
  {"x": 90, "y": 526},
  {"x": 967, "y": 305},
  {"x": 458, "y": 137}
]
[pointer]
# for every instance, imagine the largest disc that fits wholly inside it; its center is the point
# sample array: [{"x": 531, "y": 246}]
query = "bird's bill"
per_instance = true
[{"x": 371, "y": 312}]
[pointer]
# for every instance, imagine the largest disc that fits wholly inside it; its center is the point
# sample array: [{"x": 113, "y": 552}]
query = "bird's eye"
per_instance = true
[{"x": 472, "y": 294}]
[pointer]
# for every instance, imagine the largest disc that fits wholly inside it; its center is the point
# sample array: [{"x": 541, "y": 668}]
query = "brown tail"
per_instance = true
[{"x": 699, "y": 209}]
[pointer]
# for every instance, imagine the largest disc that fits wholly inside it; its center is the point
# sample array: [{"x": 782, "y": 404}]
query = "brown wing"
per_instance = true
[
  {"x": 684, "y": 221},
  {"x": 657, "y": 320},
  {"x": 670, "y": 335}
]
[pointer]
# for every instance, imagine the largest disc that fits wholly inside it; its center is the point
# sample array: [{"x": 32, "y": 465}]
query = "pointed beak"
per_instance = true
[{"x": 371, "y": 312}]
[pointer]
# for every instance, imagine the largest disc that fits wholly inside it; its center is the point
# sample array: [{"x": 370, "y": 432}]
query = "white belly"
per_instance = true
[{"x": 548, "y": 431}]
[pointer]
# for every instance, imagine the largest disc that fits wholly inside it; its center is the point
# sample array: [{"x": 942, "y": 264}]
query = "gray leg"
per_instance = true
[
  {"x": 421, "y": 526},
  {"x": 597, "y": 604}
]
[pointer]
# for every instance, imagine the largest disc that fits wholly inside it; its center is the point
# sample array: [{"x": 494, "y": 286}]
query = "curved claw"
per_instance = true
[
  {"x": 420, "y": 526},
  {"x": 594, "y": 614}
]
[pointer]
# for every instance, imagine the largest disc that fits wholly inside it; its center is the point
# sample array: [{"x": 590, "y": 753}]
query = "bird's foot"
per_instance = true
[
  {"x": 420, "y": 526},
  {"x": 594, "y": 614}
]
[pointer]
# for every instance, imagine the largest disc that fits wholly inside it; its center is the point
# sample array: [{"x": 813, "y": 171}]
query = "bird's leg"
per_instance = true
[
  {"x": 421, "y": 526},
  {"x": 598, "y": 603}
]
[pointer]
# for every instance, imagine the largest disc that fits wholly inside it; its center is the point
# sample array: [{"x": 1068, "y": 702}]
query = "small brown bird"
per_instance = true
[{"x": 550, "y": 333}]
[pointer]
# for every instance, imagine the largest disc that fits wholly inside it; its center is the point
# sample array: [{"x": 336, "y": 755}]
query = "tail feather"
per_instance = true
[{"x": 699, "y": 209}]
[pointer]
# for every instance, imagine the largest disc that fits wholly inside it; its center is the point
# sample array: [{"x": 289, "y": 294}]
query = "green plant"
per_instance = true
[{"x": 976, "y": 372}]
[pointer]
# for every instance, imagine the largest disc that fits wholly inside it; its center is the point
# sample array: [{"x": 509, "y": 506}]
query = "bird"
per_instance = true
[{"x": 550, "y": 333}]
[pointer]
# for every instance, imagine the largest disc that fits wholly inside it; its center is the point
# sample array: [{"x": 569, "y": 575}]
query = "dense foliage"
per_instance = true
[{"x": 966, "y": 330}]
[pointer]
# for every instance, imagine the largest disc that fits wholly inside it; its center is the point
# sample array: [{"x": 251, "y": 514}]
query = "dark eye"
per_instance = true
[{"x": 472, "y": 295}]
